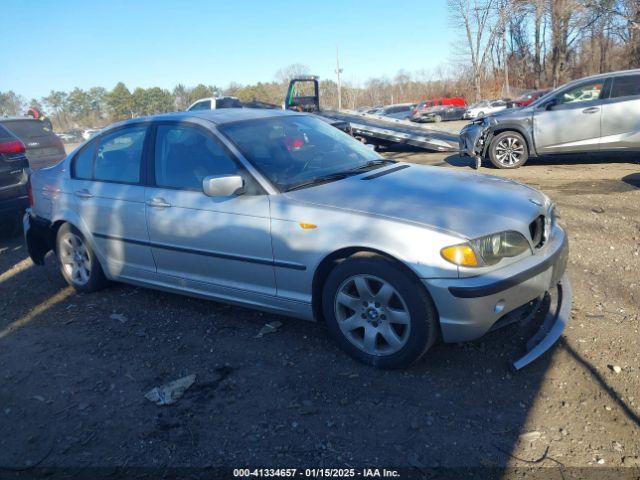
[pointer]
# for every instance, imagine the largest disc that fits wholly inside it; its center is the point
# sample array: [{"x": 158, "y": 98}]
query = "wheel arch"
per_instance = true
[
  {"x": 75, "y": 221},
  {"x": 329, "y": 262},
  {"x": 498, "y": 129}
]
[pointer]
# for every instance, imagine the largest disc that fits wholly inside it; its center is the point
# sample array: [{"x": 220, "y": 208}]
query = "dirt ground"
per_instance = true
[{"x": 74, "y": 370}]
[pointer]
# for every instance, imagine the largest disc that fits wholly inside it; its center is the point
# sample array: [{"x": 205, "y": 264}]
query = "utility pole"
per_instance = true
[
  {"x": 338, "y": 72},
  {"x": 505, "y": 19}
]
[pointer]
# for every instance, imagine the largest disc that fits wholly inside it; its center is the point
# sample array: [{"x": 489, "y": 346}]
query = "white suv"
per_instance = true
[{"x": 213, "y": 103}]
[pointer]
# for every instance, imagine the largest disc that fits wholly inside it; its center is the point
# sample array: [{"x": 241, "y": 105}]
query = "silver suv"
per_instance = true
[{"x": 594, "y": 114}]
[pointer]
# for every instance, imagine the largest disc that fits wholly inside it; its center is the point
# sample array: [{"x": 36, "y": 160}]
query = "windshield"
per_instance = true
[
  {"x": 480, "y": 104},
  {"x": 544, "y": 98},
  {"x": 294, "y": 151}
]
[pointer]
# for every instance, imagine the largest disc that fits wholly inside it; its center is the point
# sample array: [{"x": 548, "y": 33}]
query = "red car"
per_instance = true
[
  {"x": 437, "y": 102},
  {"x": 529, "y": 97}
]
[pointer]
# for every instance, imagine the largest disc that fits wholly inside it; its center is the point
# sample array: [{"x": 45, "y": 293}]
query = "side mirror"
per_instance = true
[
  {"x": 223, "y": 186},
  {"x": 550, "y": 104}
]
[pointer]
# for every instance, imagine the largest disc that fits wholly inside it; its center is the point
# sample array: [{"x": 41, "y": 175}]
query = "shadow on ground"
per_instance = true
[{"x": 74, "y": 380}]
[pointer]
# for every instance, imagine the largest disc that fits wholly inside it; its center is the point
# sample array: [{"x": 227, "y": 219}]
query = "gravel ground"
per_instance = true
[{"x": 74, "y": 370}]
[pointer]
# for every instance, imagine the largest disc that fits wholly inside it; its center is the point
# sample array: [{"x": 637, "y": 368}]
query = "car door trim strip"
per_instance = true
[{"x": 206, "y": 253}]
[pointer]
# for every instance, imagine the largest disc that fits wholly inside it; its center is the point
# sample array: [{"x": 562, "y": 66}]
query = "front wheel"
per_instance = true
[
  {"x": 78, "y": 263},
  {"x": 437, "y": 119},
  {"x": 508, "y": 150},
  {"x": 378, "y": 313}
]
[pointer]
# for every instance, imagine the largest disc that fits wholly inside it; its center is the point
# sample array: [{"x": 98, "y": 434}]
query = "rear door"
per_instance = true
[
  {"x": 621, "y": 114},
  {"x": 43, "y": 146},
  {"x": 108, "y": 185},
  {"x": 572, "y": 124}
]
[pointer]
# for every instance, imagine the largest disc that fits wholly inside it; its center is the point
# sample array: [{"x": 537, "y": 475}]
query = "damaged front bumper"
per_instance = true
[
  {"x": 470, "y": 307},
  {"x": 474, "y": 139},
  {"x": 551, "y": 329}
]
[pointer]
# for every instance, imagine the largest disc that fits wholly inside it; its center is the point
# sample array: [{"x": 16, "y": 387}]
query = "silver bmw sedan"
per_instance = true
[{"x": 282, "y": 212}]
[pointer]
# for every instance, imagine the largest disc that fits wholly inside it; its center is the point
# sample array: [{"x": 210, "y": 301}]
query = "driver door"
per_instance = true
[
  {"x": 222, "y": 243},
  {"x": 571, "y": 122}
]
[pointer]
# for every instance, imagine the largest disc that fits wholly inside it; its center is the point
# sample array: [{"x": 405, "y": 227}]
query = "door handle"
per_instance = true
[
  {"x": 84, "y": 193},
  {"x": 591, "y": 110},
  {"x": 158, "y": 202}
]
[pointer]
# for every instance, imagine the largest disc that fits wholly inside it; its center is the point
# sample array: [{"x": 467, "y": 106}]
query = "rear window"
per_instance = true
[
  {"x": 228, "y": 103},
  {"x": 5, "y": 134},
  {"x": 627, "y": 86},
  {"x": 28, "y": 128}
]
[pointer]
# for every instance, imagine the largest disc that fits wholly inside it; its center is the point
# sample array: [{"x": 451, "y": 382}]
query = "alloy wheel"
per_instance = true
[
  {"x": 372, "y": 315},
  {"x": 509, "y": 151},
  {"x": 75, "y": 260}
]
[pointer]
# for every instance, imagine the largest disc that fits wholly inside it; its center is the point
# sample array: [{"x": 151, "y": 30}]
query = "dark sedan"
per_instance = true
[
  {"x": 439, "y": 114},
  {"x": 44, "y": 148}
]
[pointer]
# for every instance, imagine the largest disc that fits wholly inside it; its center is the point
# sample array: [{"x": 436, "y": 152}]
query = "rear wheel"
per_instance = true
[
  {"x": 377, "y": 312},
  {"x": 437, "y": 119},
  {"x": 508, "y": 150},
  {"x": 78, "y": 263}
]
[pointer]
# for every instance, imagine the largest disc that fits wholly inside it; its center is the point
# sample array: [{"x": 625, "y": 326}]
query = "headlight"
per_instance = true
[{"x": 487, "y": 250}]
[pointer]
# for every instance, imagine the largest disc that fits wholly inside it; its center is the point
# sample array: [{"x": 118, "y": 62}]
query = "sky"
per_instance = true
[{"x": 62, "y": 44}]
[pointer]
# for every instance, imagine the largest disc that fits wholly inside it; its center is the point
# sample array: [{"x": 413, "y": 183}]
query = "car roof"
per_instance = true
[
  {"x": 399, "y": 105},
  {"x": 217, "y": 117},
  {"x": 603, "y": 76}
]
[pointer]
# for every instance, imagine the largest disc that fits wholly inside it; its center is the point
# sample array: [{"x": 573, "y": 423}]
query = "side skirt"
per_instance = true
[{"x": 229, "y": 295}]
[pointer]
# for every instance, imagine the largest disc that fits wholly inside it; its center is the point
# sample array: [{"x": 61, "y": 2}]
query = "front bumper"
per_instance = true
[
  {"x": 472, "y": 140},
  {"x": 470, "y": 307}
]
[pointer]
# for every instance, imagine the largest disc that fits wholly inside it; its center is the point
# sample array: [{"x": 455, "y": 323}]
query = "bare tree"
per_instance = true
[
  {"x": 290, "y": 71},
  {"x": 481, "y": 25}
]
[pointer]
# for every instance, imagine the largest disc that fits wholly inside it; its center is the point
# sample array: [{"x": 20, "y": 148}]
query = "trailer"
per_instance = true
[{"x": 303, "y": 95}]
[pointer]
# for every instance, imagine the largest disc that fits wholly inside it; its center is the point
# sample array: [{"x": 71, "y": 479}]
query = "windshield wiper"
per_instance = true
[
  {"x": 340, "y": 175},
  {"x": 373, "y": 164},
  {"x": 319, "y": 180}
]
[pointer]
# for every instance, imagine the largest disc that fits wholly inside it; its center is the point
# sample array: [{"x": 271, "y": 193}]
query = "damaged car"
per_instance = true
[
  {"x": 584, "y": 116},
  {"x": 279, "y": 211}
]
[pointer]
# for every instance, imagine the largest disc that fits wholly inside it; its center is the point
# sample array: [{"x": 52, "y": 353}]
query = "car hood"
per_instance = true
[
  {"x": 511, "y": 114},
  {"x": 465, "y": 204}
]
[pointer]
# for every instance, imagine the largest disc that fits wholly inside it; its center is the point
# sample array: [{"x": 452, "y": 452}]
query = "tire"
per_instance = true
[
  {"x": 508, "y": 150},
  {"x": 481, "y": 115},
  {"x": 437, "y": 119},
  {"x": 361, "y": 320},
  {"x": 78, "y": 263}
]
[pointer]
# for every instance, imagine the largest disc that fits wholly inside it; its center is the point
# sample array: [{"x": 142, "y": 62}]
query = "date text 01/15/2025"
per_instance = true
[{"x": 315, "y": 473}]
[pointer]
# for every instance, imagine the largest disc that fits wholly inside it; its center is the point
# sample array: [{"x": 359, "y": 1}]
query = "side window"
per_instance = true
[
  {"x": 184, "y": 156},
  {"x": 118, "y": 156},
  {"x": 627, "y": 86},
  {"x": 586, "y": 92},
  {"x": 83, "y": 163}
]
